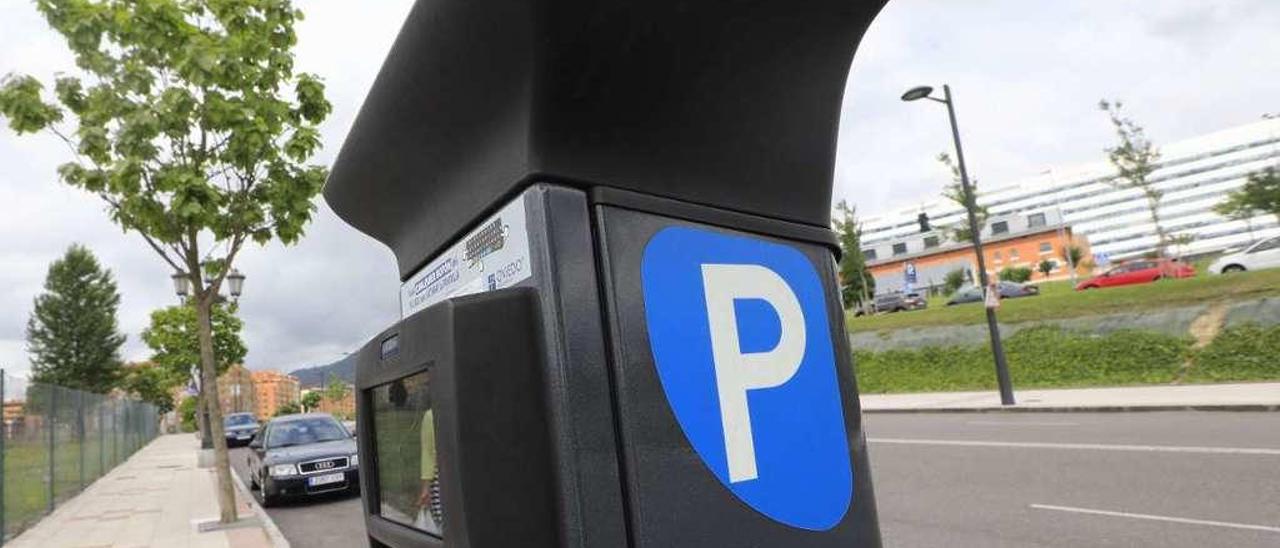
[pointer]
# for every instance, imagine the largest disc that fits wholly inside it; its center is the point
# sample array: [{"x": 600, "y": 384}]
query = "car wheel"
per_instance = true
[
  {"x": 253, "y": 482},
  {"x": 1230, "y": 269}
]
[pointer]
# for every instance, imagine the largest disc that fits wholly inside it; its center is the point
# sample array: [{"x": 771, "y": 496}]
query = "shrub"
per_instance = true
[
  {"x": 1017, "y": 274},
  {"x": 1045, "y": 267},
  {"x": 1244, "y": 352},
  {"x": 187, "y": 414},
  {"x": 953, "y": 281}
]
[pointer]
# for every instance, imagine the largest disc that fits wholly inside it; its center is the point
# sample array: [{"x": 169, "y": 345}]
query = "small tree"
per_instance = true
[
  {"x": 1236, "y": 208},
  {"x": 174, "y": 339},
  {"x": 288, "y": 408},
  {"x": 953, "y": 281},
  {"x": 335, "y": 389},
  {"x": 1259, "y": 195},
  {"x": 1181, "y": 241},
  {"x": 1045, "y": 267},
  {"x": 962, "y": 232},
  {"x": 151, "y": 383},
  {"x": 1135, "y": 158},
  {"x": 311, "y": 401},
  {"x": 1018, "y": 274},
  {"x": 72, "y": 333},
  {"x": 187, "y": 413},
  {"x": 194, "y": 130},
  {"x": 1072, "y": 254},
  {"x": 856, "y": 281}
]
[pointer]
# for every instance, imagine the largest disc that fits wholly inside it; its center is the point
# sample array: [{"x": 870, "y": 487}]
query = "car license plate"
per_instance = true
[
  {"x": 325, "y": 479},
  {"x": 244, "y": 436}
]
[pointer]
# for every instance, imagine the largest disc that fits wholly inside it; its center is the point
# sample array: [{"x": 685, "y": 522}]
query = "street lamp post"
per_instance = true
[
  {"x": 997, "y": 348},
  {"x": 182, "y": 287}
]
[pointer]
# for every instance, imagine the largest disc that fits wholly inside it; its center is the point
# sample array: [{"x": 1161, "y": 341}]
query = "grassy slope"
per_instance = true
[{"x": 1058, "y": 300}]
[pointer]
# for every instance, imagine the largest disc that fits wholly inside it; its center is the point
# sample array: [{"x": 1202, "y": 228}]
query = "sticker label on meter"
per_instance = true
[{"x": 740, "y": 338}]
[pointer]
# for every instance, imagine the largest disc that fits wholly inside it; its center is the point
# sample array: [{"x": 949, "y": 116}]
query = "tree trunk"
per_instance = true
[
  {"x": 209, "y": 383},
  {"x": 1153, "y": 204}
]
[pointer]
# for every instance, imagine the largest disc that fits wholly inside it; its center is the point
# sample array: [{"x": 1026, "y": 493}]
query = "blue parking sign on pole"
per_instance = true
[{"x": 909, "y": 272}]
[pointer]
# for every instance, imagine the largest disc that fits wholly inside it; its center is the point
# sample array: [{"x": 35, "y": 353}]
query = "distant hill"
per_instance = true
[{"x": 315, "y": 377}]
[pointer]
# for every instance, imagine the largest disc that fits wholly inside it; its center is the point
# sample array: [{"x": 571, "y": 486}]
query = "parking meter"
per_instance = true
[{"x": 621, "y": 318}]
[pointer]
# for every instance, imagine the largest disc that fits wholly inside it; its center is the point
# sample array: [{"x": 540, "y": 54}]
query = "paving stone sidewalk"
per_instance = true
[
  {"x": 157, "y": 498},
  {"x": 1263, "y": 396}
]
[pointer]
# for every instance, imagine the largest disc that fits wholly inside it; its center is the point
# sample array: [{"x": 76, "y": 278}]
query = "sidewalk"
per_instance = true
[
  {"x": 156, "y": 498},
  {"x": 1218, "y": 397}
]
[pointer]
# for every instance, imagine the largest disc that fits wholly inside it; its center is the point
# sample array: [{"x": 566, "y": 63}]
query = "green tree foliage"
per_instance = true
[
  {"x": 187, "y": 413},
  {"x": 311, "y": 401},
  {"x": 188, "y": 121},
  {"x": 953, "y": 281},
  {"x": 335, "y": 389},
  {"x": 856, "y": 282},
  {"x": 1072, "y": 254},
  {"x": 1260, "y": 194},
  {"x": 151, "y": 383},
  {"x": 1045, "y": 267},
  {"x": 1134, "y": 157},
  {"x": 962, "y": 232},
  {"x": 175, "y": 345},
  {"x": 289, "y": 408},
  {"x": 72, "y": 333},
  {"x": 1019, "y": 274}
]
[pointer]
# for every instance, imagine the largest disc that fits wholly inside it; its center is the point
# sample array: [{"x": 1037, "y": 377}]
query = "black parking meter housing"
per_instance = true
[{"x": 524, "y": 160}]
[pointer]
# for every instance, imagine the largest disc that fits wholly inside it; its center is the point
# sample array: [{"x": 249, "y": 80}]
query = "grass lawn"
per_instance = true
[{"x": 1059, "y": 300}]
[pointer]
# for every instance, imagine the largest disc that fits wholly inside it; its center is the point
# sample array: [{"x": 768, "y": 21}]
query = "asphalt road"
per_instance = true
[
  {"x": 326, "y": 521},
  {"x": 1178, "y": 479}
]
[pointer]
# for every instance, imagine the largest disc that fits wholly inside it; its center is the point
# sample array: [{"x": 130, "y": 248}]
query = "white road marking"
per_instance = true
[
  {"x": 1021, "y": 423},
  {"x": 1188, "y": 521},
  {"x": 1084, "y": 446}
]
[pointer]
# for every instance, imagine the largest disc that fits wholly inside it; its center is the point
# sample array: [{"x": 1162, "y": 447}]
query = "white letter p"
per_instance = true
[{"x": 736, "y": 372}]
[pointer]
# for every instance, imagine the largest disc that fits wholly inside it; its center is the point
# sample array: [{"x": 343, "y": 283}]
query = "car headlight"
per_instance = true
[
  {"x": 283, "y": 470},
  {"x": 355, "y": 460}
]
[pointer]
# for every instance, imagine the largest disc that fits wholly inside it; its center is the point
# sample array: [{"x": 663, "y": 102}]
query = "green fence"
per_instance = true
[{"x": 56, "y": 441}]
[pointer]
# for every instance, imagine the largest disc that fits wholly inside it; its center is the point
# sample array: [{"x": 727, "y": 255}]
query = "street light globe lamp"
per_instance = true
[
  {"x": 235, "y": 283},
  {"x": 181, "y": 284}
]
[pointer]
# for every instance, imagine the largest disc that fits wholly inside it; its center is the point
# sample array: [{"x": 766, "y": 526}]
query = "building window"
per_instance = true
[
  {"x": 1013, "y": 254},
  {"x": 998, "y": 257},
  {"x": 869, "y": 254},
  {"x": 900, "y": 249},
  {"x": 930, "y": 241},
  {"x": 1035, "y": 220},
  {"x": 1000, "y": 227},
  {"x": 1046, "y": 248}
]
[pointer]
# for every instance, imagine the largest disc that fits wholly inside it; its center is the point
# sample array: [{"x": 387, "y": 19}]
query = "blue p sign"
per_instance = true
[{"x": 739, "y": 334}]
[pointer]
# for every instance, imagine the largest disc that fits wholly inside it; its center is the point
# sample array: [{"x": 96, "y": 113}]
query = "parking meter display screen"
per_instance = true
[{"x": 405, "y": 438}]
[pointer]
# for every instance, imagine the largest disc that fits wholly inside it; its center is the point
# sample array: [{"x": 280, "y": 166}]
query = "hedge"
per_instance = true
[{"x": 1051, "y": 357}]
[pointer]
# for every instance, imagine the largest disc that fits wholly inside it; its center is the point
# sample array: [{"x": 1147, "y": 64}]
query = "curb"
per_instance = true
[
  {"x": 1248, "y": 407},
  {"x": 269, "y": 525}
]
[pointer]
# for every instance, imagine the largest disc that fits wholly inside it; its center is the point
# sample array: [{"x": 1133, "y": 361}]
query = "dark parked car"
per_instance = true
[
  {"x": 1008, "y": 290},
  {"x": 301, "y": 455},
  {"x": 239, "y": 428},
  {"x": 898, "y": 301}
]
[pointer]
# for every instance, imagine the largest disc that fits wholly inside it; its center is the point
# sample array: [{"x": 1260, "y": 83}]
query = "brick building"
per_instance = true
[
  {"x": 273, "y": 390},
  {"x": 235, "y": 390}
]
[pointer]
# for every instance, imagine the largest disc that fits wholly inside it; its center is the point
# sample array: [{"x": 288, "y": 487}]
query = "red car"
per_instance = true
[{"x": 1139, "y": 272}]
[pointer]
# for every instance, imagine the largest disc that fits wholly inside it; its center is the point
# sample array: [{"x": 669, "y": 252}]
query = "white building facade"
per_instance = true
[{"x": 1194, "y": 175}]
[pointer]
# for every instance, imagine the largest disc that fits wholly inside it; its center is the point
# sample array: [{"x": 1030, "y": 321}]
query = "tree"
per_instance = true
[
  {"x": 193, "y": 128},
  {"x": 1236, "y": 208},
  {"x": 1072, "y": 254},
  {"x": 1135, "y": 158},
  {"x": 288, "y": 408},
  {"x": 1259, "y": 195},
  {"x": 954, "y": 280},
  {"x": 151, "y": 383},
  {"x": 1045, "y": 267},
  {"x": 173, "y": 336},
  {"x": 1018, "y": 274},
  {"x": 857, "y": 283},
  {"x": 311, "y": 400},
  {"x": 962, "y": 232},
  {"x": 187, "y": 413},
  {"x": 1181, "y": 241},
  {"x": 72, "y": 333},
  {"x": 335, "y": 389}
]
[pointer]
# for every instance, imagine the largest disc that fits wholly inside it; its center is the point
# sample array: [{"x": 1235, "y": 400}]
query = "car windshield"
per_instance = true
[
  {"x": 304, "y": 431},
  {"x": 238, "y": 419}
]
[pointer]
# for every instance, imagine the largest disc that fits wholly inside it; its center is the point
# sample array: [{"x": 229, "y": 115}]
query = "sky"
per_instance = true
[{"x": 1026, "y": 82}]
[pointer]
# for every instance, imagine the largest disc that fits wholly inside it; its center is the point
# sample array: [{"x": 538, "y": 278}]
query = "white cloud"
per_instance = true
[{"x": 1026, "y": 81}]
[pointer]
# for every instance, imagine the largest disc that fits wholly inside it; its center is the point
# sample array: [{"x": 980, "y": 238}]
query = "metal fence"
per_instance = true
[{"x": 56, "y": 441}]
